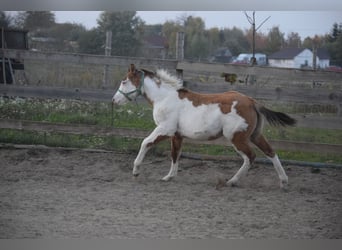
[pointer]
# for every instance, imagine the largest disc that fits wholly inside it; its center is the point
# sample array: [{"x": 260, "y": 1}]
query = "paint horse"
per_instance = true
[{"x": 180, "y": 113}]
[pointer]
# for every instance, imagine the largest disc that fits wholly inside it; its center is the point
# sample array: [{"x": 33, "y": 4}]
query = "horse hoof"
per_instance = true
[
  {"x": 166, "y": 178},
  {"x": 136, "y": 175},
  {"x": 284, "y": 185},
  {"x": 232, "y": 183},
  {"x": 221, "y": 182}
]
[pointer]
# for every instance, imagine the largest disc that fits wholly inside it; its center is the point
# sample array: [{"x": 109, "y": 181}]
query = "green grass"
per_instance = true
[
  {"x": 135, "y": 116},
  {"x": 80, "y": 112},
  {"x": 315, "y": 135}
]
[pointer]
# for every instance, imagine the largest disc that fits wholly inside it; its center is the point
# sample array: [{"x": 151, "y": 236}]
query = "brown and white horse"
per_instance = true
[{"x": 180, "y": 113}]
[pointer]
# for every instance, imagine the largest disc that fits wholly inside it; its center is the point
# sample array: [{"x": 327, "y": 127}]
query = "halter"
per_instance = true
[{"x": 138, "y": 89}]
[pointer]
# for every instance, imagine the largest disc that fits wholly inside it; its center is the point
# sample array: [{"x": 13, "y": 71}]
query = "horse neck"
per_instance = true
[{"x": 155, "y": 92}]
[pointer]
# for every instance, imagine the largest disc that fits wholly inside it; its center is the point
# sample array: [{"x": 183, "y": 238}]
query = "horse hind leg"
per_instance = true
[
  {"x": 241, "y": 145},
  {"x": 261, "y": 142},
  {"x": 176, "y": 148}
]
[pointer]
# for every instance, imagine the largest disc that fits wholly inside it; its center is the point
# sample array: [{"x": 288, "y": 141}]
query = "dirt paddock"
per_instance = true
[{"x": 50, "y": 193}]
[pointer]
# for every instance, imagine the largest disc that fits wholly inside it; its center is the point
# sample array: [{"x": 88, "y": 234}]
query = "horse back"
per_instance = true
[{"x": 224, "y": 100}]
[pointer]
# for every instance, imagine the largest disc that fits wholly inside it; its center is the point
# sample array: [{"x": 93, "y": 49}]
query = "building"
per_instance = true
[
  {"x": 155, "y": 46},
  {"x": 323, "y": 58},
  {"x": 299, "y": 58},
  {"x": 291, "y": 58},
  {"x": 222, "y": 55}
]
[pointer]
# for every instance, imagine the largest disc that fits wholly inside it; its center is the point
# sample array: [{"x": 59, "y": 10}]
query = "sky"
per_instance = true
[{"x": 305, "y": 23}]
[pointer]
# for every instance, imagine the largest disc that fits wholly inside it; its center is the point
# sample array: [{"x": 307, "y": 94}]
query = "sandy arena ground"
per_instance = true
[{"x": 50, "y": 193}]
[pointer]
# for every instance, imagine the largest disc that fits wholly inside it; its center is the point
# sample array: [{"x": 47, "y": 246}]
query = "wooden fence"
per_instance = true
[{"x": 328, "y": 92}]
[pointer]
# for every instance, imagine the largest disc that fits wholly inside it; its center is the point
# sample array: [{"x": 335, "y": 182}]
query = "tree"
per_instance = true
[
  {"x": 336, "y": 31},
  {"x": 260, "y": 41},
  {"x": 335, "y": 50},
  {"x": 35, "y": 20},
  {"x": 91, "y": 42},
  {"x": 213, "y": 35},
  {"x": 5, "y": 20},
  {"x": 275, "y": 40},
  {"x": 235, "y": 40},
  {"x": 127, "y": 31},
  {"x": 196, "y": 43},
  {"x": 293, "y": 40},
  {"x": 169, "y": 30},
  {"x": 66, "y": 31},
  {"x": 66, "y": 36},
  {"x": 314, "y": 42},
  {"x": 334, "y": 44}
]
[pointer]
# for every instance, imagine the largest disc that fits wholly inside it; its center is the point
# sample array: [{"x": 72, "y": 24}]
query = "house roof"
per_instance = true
[
  {"x": 287, "y": 53},
  {"x": 223, "y": 51},
  {"x": 155, "y": 41},
  {"x": 323, "y": 54}
]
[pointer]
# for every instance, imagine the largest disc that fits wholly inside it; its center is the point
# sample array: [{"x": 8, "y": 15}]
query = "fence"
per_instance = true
[{"x": 303, "y": 86}]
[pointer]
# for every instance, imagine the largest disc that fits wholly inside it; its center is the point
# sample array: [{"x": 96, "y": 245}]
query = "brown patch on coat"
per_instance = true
[
  {"x": 224, "y": 100},
  {"x": 134, "y": 75},
  {"x": 176, "y": 145},
  {"x": 157, "y": 140},
  {"x": 219, "y": 135}
]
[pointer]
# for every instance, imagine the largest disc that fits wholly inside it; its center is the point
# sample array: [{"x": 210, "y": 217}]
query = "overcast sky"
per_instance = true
[{"x": 306, "y": 23}]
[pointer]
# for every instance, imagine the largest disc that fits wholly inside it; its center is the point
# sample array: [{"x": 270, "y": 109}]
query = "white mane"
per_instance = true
[{"x": 169, "y": 79}]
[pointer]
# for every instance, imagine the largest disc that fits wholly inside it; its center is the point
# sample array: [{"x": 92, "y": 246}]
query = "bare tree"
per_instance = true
[{"x": 251, "y": 20}]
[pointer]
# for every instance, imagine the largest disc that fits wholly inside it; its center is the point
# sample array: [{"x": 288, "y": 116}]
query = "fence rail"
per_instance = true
[
  {"x": 139, "y": 134},
  {"x": 286, "y": 73},
  {"x": 182, "y": 66},
  {"x": 87, "y": 59}
]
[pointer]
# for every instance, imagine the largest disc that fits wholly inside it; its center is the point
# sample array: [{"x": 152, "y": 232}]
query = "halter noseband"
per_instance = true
[{"x": 138, "y": 89}]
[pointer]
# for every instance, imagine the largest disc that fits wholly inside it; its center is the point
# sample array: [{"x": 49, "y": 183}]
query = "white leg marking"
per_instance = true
[
  {"x": 242, "y": 171},
  {"x": 172, "y": 173},
  {"x": 280, "y": 171},
  {"x": 144, "y": 148}
]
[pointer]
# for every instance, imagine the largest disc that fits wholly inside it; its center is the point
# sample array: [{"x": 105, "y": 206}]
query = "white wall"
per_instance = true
[
  {"x": 283, "y": 63},
  {"x": 323, "y": 63},
  {"x": 303, "y": 58}
]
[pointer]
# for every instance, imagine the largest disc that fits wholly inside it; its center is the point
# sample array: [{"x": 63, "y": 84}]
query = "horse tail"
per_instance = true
[{"x": 276, "y": 118}]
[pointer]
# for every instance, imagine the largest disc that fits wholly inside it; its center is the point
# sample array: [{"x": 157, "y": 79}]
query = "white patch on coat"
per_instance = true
[
  {"x": 233, "y": 123},
  {"x": 207, "y": 121}
]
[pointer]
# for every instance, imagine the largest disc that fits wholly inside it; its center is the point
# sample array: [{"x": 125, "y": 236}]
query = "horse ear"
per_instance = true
[
  {"x": 148, "y": 72},
  {"x": 131, "y": 68}
]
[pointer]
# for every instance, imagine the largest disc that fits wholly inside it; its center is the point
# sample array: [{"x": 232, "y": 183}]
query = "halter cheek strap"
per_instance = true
[{"x": 138, "y": 89}]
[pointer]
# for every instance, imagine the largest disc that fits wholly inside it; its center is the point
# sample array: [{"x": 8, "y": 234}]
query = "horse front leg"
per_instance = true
[{"x": 156, "y": 136}]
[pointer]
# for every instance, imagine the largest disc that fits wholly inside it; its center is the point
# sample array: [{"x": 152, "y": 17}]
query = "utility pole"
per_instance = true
[
  {"x": 252, "y": 22},
  {"x": 180, "y": 46},
  {"x": 108, "y": 51},
  {"x": 314, "y": 57}
]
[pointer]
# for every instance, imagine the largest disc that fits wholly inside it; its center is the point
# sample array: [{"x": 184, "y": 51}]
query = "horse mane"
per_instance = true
[{"x": 169, "y": 79}]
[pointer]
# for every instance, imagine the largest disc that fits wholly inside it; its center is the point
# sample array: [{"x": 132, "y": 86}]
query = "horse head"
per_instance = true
[{"x": 130, "y": 87}]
